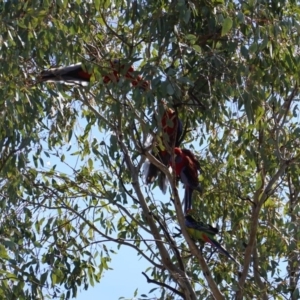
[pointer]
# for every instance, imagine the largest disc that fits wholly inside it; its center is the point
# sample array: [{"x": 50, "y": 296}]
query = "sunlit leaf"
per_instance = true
[{"x": 226, "y": 26}]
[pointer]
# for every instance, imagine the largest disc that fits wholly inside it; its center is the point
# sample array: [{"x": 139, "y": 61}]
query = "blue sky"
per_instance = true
[{"x": 123, "y": 280}]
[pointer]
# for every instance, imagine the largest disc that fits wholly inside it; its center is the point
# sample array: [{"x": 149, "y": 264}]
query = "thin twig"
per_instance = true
[{"x": 163, "y": 285}]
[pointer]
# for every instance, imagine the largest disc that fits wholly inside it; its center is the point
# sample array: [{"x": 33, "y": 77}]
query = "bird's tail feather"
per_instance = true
[
  {"x": 56, "y": 72},
  {"x": 163, "y": 182},
  {"x": 146, "y": 168},
  {"x": 178, "y": 133},
  {"x": 150, "y": 173},
  {"x": 188, "y": 192},
  {"x": 219, "y": 247},
  {"x": 64, "y": 75},
  {"x": 68, "y": 81}
]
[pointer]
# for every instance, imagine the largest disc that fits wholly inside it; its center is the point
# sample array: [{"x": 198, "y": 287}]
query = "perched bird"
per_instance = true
[
  {"x": 201, "y": 232},
  {"x": 75, "y": 74},
  {"x": 171, "y": 127},
  {"x": 186, "y": 166}
]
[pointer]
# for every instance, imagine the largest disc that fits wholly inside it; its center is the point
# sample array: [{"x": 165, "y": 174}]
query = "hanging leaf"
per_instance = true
[{"x": 226, "y": 26}]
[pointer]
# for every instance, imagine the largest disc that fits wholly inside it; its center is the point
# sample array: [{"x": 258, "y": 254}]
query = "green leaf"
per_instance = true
[
  {"x": 226, "y": 26},
  {"x": 3, "y": 252},
  {"x": 170, "y": 89},
  {"x": 197, "y": 48},
  {"x": 296, "y": 294},
  {"x": 191, "y": 37},
  {"x": 54, "y": 278},
  {"x": 253, "y": 48},
  {"x": 91, "y": 164},
  {"x": 44, "y": 278}
]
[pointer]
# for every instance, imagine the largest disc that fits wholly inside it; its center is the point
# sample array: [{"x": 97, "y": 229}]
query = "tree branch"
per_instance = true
[
  {"x": 178, "y": 275},
  {"x": 286, "y": 106},
  {"x": 194, "y": 249},
  {"x": 262, "y": 286},
  {"x": 259, "y": 198},
  {"x": 163, "y": 285},
  {"x": 172, "y": 243}
]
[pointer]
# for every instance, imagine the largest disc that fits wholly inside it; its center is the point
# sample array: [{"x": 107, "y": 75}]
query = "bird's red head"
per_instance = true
[{"x": 177, "y": 151}]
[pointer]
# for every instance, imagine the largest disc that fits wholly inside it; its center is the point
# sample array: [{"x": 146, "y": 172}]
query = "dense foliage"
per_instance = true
[{"x": 230, "y": 69}]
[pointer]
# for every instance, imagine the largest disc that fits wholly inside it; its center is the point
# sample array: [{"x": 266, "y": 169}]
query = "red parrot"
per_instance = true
[
  {"x": 75, "y": 74},
  {"x": 172, "y": 130},
  {"x": 187, "y": 167}
]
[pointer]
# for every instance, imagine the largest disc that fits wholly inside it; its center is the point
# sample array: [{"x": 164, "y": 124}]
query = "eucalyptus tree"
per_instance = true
[{"x": 229, "y": 69}]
